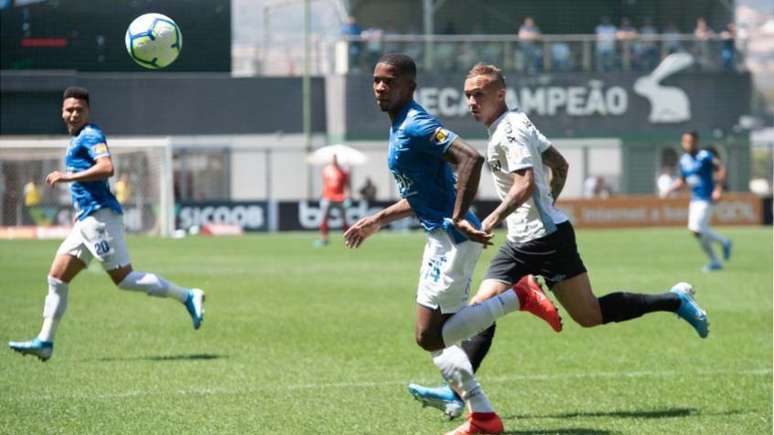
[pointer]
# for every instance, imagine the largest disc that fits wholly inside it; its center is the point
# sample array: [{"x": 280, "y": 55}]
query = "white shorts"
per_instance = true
[
  {"x": 446, "y": 272},
  {"x": 699, "y": 214},
  {"x": 100, "y": 235}
]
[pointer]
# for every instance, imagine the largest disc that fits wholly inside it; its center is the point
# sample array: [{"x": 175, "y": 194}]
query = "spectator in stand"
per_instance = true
[
  {"x": 561, "y": 56},
  {"x": 373, "y": 37},
  {"x": 351, "y": 30},
  {"x": 606, "y": 34},
  {"x": 628, "y": 35},
  {"x": 728, "y": 47},
  {"x": 671, "y": 36},
  {"x": 703, "y": 34},
  {"x": 595, "y": 187},
  {"x": 529, "y": 44},
  {"x": 646, "y": 49},
  {"x": 368, "y": 190},
  {"x": 466, "y": 57},
  {"x": 446, "y": 51}
]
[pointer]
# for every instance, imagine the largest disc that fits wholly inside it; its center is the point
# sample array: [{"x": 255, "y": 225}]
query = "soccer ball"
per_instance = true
[{"x": 153, "y": 41}]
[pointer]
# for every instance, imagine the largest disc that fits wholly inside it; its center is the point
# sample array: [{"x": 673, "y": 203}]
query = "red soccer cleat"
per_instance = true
[
  {"x": 480, "y": 423},
  {"x": 533, "y": 299}
]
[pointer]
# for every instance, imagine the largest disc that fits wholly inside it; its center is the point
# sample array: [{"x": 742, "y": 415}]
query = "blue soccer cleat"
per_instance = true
[
  {"x": 727, "y": 250},
  {"x": 689, "y": 310},
  {"x": 712, "y": 266},
  {"x": 194, "y": 303},
  {"x": 37, "y": 347},
  {"x": 442, "y": 398}
]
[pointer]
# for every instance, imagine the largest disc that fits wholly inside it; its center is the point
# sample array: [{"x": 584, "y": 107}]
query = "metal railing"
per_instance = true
[{"x": 549, "y": 53}]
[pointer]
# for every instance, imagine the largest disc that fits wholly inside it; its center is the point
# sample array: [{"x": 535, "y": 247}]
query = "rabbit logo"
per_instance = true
[{"x": 667, "y": 103}]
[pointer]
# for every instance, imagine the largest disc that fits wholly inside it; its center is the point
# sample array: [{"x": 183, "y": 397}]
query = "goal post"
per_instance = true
[{"x": 143, "y": 182}]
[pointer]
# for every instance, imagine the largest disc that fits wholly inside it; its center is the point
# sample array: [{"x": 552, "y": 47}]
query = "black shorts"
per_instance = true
[{"x": 554, "y": 256}]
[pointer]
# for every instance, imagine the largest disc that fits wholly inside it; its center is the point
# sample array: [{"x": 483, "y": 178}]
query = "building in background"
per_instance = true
[{"x": 232, "y": 107}]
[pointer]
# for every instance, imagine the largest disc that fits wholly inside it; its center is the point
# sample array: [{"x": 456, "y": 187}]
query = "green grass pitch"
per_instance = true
[{"x": 300, "y": 340}]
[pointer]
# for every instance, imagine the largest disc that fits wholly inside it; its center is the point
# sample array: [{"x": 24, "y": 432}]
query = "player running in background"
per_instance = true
[
  {"x": 705, "y": 174},
  {"x": 98, "y": 231},
  {"x": 335, "y": 194},
  {"x": 541, "y": 239},
  {"x": 419, "y": 157}
]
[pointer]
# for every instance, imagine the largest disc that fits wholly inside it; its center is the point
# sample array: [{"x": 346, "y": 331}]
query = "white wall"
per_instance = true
[{"x": 274, "y": 166}]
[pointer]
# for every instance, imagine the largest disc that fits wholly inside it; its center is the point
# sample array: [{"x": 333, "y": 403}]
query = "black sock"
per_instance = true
[
  {"x": 622, "y": 306},
  {"x": 477, "y": 346}
]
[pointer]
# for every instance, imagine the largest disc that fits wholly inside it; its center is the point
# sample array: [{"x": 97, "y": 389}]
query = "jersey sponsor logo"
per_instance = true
[
  {"x": 405, "y": 183},
  {"x": 494, "y": 165},
  {"x": 509, "y": 132},
  {"x": 440, "y": 135},
  {"x": 100, "y": 148}
]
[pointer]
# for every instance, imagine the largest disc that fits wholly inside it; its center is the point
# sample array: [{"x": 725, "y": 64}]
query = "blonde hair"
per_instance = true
[{"x": 493, "y": 72}]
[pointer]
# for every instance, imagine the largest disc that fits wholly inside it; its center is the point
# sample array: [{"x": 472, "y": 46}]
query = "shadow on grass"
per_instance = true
[
  {"x": 161, "y": 358},
  {"x": 654, "y": 413},
  {"x": 190, "y": 357}
]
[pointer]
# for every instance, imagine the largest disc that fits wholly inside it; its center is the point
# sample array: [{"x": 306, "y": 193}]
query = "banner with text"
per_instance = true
[
  {"x": 621, "y": 211},
  {"x": 574, "y": 105},
  {"x": 648, "y": 211},
  {"x": 250, "y": 215}
]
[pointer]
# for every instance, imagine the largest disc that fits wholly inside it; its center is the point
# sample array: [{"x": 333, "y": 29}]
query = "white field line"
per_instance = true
[{"x": 208, "y": 391}]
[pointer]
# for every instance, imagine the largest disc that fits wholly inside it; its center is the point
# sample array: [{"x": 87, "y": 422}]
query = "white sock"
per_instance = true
[
  {"x": 54, "y": 308},
  {"x": 715, "y": 237},
  {"x": 706, "y": 246},
  {"x": 473, "y": 319},
  {"x": 48, "y": 329},
  {"x": 154, "y": 285},
  {"x": 458, "y": 372}
]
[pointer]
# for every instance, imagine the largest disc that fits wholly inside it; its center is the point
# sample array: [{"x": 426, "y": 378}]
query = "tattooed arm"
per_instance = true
[
  {"x": 553, "y": 159},
  {"x": 468, "y": 163}
]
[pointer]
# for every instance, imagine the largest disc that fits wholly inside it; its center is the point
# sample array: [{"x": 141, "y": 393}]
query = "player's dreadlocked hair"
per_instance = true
[
  {"x": 402, "y": 63},
  {"x": 495, "y": 73},
  {"x": 76, "y": 92}
]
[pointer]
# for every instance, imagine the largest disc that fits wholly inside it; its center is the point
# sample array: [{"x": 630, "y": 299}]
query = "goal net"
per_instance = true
[{"x": 142, "y": 183}]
